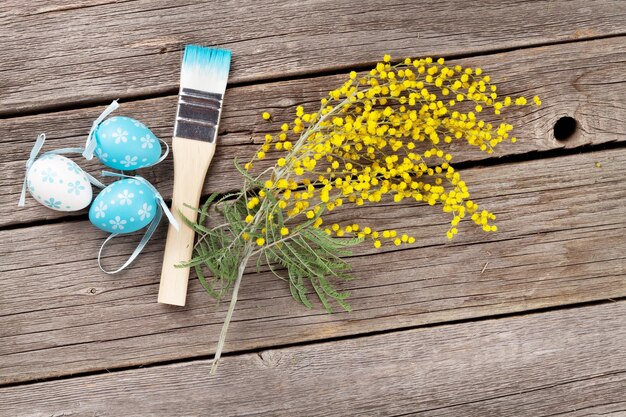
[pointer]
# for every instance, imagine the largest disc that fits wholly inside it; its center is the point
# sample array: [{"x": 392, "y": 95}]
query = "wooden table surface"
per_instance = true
[{"x": 529, "y": 321}]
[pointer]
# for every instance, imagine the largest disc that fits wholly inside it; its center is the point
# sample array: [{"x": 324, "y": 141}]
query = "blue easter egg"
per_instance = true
[
  {"x": 124, "y": 206},
  {"x": 126, "y": 144}
]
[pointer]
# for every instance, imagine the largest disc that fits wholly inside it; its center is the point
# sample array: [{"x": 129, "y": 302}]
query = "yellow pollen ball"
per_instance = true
[
  {"x": 284, "y": 231},
  {"x": 260, "y": 241}
]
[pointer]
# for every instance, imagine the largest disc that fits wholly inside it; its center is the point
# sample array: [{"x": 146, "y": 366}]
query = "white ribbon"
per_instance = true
[
  {"x": 144, "y": 241},
  {"x": 41, "y": 139},
  {"x": 161, "y": 208},
  {"x": 90, "y": 145},
  {"x": 167, "y": 151}
]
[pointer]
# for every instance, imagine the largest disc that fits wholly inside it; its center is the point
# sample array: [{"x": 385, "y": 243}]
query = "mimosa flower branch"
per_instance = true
[{"x": 381, "y": 136}]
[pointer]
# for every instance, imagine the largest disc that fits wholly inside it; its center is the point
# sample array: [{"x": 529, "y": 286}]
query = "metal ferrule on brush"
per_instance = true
[{"x": 198, "y": 115}]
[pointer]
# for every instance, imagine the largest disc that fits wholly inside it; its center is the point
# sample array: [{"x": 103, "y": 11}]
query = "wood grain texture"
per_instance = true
[
  {"x": 583, "y": 80},
  {"x": 566, "y": 363},
  {"x": 55, "y": 52},
  {"x": 561, "y": 241}
]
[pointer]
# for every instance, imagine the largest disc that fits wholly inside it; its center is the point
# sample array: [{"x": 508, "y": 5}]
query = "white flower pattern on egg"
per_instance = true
[
  {"x": 117, "y": 223},
  {"x": 129, "y": 161},
  {"x": 126, "y": 197},
  {"x": 100, "y": 210},
  {"x": 120, "y": 135},
  {"x": 145, "y": 211},
  {"x": 147, "y": 141},
  {"x": 103, "y": 156}
]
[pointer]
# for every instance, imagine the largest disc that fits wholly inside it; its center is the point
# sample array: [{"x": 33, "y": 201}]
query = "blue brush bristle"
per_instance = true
[{"x": 205, "y": 69}]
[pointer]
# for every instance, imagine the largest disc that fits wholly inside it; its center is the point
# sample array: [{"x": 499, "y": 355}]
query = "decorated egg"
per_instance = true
[
  {"x": 59, "y": 183},
  {"x": 126, "y": 144},
  {"x": 124, "y": 206}
]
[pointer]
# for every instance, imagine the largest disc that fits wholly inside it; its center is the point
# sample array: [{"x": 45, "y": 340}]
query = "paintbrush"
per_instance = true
[{"x": 203, "y": 79}]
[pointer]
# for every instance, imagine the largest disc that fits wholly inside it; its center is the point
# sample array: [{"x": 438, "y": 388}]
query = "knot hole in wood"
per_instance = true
[{"x": 564, "y": 128}]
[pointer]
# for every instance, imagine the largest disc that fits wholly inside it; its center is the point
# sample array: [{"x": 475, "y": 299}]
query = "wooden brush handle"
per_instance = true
[{"x": 191, "y": 161}]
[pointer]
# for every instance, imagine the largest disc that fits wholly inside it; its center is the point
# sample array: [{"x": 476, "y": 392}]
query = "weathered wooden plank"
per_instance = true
[
  {"x": 566, "y": 362},
  {"x": 561, "y": 241},
  {"x": 582, "y": 80},
  {"x": 56, "y": 53}
]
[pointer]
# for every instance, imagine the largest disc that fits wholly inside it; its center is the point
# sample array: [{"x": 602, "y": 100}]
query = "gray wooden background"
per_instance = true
[{"x": 530, "y": 321}]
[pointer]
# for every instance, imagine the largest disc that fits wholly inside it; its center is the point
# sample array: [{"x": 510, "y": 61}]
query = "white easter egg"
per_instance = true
[{"x": 58, "y": 183}]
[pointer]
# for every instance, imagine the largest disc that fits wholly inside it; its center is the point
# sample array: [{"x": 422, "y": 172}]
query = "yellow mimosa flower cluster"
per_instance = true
[{"x": 383, "y": 135}]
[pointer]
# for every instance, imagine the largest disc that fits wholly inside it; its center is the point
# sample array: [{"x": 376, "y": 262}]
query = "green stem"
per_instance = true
[{"x": 231, "y": 310}]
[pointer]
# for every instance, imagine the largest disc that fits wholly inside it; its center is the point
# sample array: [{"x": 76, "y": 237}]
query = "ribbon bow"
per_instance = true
[
  {"x": 90, "y": 145},
  {"x": 161, "y": 208},
  {"x": 41, "y": 139}
]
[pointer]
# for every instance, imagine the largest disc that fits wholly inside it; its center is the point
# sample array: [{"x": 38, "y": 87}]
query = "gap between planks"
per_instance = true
[
  {"x": 566, "y": 362},
  {"x": 572, "y": 80},
  {"x": 268, "y": 40},
  {"x": 557, "y": 245},
  {"x": 324, "y": 72},
  {"x": 259, "y": 352}
]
